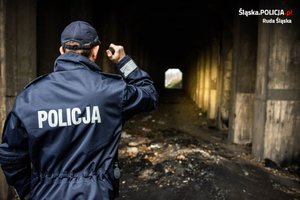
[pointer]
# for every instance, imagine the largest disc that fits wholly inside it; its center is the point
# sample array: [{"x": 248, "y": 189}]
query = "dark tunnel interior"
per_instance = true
[
  {"x": 170, "y": 32},
  {"x": 158, "y": 26}
]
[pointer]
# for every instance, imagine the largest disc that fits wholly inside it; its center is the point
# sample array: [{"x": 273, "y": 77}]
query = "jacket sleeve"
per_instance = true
[
  {"x": 140, "y": 94},
  {"x": 14, "y": 157}
]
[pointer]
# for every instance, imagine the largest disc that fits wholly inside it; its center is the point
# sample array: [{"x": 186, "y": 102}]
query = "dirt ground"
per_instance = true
[{"x": 172, "y": 154}]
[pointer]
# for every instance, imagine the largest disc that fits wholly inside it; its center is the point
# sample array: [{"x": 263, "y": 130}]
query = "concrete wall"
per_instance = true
[
  {"x": 207, "y": 80},
  {"x": 225, "y": 77},
  {"x": 2, "y": 64},
  {"x": 277, "y": 99},
  {"x": 3, "y": 185},
  {"x": 244, "y": 75},
  {"x": 261, "y": 61},
  {"x": 18, "y": 49},
  {"x": 18, "y": 58},
  {"x": 204, "y": 82}
]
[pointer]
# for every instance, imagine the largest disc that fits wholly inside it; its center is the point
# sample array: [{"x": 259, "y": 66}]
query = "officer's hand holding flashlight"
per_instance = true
[{"x": 115, "y": 53}]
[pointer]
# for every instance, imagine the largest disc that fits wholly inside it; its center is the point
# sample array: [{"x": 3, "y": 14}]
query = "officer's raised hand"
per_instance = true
[{"x": 115, "y": 53}]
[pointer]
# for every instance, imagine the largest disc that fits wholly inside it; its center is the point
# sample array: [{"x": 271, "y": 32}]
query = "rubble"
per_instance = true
[{"x": 160, "y": 159}]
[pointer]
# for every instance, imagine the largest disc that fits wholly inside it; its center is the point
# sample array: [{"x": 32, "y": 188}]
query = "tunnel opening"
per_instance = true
[{"x": 173, "y": 78}]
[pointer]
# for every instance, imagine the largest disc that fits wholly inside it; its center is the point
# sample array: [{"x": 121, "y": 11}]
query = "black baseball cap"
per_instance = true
[{"x": 81, "y": 32}]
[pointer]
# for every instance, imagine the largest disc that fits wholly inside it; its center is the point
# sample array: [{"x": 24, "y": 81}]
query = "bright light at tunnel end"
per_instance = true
[{"x": 173, "y": 78}]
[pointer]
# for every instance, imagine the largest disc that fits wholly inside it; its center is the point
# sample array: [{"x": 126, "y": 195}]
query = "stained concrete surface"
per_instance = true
[{"x": 172, "y": 154}]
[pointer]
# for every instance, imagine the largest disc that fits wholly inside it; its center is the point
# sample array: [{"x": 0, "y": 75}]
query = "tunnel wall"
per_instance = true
[
  {"x": 3, "y": 185},
  {"x": 209, "y": 76},
  {"x": 244, "y": 75},
  {"x": 204, "y": 83},
  {"x": 18, "y": 51},
  {"x": 261, "y": 63},
  {"x": 225, "y": 76},
  {"x": 277, "y": 99},
  {"x": 2, "y": 64},
  {"x": 18, "y": 58}
]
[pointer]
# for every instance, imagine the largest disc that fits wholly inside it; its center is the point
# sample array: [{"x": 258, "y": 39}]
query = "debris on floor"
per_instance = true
[{"x": 162, "y": 157}]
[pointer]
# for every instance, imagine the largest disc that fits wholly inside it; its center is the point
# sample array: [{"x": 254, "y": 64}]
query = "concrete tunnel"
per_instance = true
[{"x": 242, "y": 71}]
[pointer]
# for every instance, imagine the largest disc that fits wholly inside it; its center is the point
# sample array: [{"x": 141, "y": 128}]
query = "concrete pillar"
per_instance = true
[
  {"x": 18, "y": 58},
  {"x": 2, "y": 64},
  {"x": 202, "y": 81},
  {"x": 196, "y": 77},
  {"x": 277, "y": 98},
  {"x": 243, "y": 82},
  {"x": 18, "y": 49},
  {"x": 192, "y": 84},
  {"x": 3, "y": 186},
  {"x": 206, "y": 80},
  {"x": 225, "y": 76},
  {"x": 212, "y": 81}
]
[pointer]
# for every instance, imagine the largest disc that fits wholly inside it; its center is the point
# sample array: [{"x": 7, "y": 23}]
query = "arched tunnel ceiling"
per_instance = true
[{"x": 171, "y": 30}]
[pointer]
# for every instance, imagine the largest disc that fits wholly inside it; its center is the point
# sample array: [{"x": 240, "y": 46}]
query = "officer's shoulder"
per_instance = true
[
  {"x": 37, "y": 79},
  {"x": 111, "y": 75}
]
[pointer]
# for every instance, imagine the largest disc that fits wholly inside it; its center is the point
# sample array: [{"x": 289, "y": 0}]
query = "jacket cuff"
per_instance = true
[{"x": 126, "y": 66}]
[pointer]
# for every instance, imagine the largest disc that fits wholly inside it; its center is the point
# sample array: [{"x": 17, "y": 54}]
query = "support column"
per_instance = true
[
  {"x": 2, "y": 64},
  {"x": 3, "y": 186},
  {"x": 206, "y": 80},
  {"x": 20, "y": 47},
  {"x": 202, "y": 80},
  {"x": 243, "y": 80},
  {"x": 225, "y": 77},
  {"x": 277, "y": 99},
  {"x": 213, "y": 82}
]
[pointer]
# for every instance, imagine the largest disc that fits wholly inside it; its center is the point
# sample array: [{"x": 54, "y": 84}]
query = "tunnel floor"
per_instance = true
[{"x": 172, "y": 154}]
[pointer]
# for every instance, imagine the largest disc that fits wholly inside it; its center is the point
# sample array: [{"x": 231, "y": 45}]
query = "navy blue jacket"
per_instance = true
[{"x": 61, "y": 137}]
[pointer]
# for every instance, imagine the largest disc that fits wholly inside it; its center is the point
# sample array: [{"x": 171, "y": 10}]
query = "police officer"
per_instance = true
[{"x": 61, "y": 138}]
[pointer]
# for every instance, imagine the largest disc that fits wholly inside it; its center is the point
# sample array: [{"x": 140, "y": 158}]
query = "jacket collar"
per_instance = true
[{"x": 73, "y": 61}]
